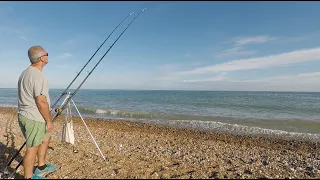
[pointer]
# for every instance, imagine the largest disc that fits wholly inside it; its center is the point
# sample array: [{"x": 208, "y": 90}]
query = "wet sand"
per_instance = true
[{"x": 141, "y": 150}]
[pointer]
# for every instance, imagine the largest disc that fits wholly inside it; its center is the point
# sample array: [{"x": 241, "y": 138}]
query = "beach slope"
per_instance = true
[{"x": 141, "y": 150}]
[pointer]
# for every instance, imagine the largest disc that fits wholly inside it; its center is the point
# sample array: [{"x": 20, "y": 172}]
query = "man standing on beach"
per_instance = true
[{"x": 34, "y": 115}]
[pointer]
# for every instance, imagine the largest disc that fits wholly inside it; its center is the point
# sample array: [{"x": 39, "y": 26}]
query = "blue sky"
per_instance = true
[{"x": 172, "y": 45}]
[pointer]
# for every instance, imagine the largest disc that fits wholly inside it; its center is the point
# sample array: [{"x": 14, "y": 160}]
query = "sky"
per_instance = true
[{"x": 224, "y": 46}]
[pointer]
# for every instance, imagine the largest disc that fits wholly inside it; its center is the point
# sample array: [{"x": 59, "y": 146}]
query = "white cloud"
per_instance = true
[
  {"x": 124, "y": 80},
  {"x": 62, "y": 62},
  {"x": 293, "y": 39},
  {"x": 214, "y": 79},
  {"x": 304, "y": 77},
  {"x": 167, "y": 72},
  {"x": 82, "y": 38},
  {"x": 239, "y": 41},
  {"x": 260, "y": 62},
  {"x": 65, "y": 56},
  {"x": 235, "y": 51},
  {"x": 313, "y": 74},
  {"x": 23, "y": 37},
  {"x": 298, "y": 82}
]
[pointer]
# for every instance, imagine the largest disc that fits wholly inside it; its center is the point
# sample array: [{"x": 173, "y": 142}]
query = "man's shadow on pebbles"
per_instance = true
[{"x": 6, "y": 154}]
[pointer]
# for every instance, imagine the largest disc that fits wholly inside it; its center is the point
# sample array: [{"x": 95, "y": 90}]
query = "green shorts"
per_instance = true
[{"x": 34, "y": 131}]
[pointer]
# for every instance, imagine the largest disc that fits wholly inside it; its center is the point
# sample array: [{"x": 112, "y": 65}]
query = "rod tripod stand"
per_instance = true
[{"x": 69, "y": 116}]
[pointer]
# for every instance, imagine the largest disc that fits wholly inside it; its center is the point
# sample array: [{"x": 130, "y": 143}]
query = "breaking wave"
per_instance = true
[
  {"x": 222, "y": 124},
  {"x": 119, "y": 113},
  {"x": 244, "y": 130},
  {"x": 216, "y": 123},
  {"x": 8, "y": 105}
]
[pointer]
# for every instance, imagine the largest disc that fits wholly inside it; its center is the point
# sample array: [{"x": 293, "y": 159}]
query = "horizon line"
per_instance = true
[{"x": 181, "y": 90}]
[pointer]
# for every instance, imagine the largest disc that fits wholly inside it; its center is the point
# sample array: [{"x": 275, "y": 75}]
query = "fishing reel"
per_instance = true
[{"x": 58, "y": 110}]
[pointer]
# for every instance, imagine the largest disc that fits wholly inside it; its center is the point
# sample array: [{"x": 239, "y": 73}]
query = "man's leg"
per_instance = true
[
  {"x": 42, "y": 152},
  {"x": 29, "y": 160},
  {"x": 43, "y": 168},
  {"x": 29, "y": 131}
]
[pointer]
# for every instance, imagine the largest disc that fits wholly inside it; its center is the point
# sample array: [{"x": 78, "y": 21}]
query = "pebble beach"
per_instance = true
[{"x": 143, "y": 150}]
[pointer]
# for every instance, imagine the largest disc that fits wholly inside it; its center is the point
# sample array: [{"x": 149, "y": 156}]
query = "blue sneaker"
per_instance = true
[
  {"x": 49, "y": 169},
  {"x": 37, "y": 177}
]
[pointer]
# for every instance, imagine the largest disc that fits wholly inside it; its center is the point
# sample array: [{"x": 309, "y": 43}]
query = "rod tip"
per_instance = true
[
  {"x": 144, "y": 9},
  {"x": 131, "y": 13}
]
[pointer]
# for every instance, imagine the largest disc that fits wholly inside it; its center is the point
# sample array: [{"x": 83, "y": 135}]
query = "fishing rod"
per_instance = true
[
  {"x": 65, "y": 91},
  {"x": 100, "y": 60},
  {"x": 63, "y": 105}
]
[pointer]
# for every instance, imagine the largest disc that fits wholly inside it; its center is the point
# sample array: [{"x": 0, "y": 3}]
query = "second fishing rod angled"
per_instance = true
[{"x": 65, "y": 91}]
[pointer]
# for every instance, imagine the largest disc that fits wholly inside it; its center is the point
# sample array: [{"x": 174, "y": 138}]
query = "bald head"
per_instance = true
[{"x": 35, "y": 52}]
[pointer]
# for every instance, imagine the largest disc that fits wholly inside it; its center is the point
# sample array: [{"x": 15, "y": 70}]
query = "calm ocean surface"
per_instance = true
[{"x": 284, "y": 114}]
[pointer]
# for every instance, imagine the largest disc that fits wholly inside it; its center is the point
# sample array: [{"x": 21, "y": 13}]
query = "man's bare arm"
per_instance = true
[{"x": 43, "y": 107}]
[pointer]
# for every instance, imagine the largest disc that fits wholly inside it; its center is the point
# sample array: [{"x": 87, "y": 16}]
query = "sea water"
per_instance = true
[{"x": 286, "y": 114}]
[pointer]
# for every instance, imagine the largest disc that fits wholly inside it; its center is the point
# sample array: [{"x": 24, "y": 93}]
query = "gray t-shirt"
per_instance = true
[{"x": 32, "y": 83}]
